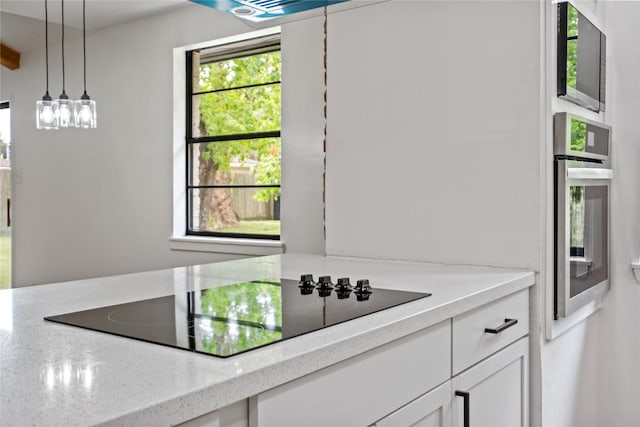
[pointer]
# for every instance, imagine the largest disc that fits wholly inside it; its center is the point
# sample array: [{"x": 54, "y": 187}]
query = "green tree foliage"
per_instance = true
[
  {"x": 258, "y": 307},
  {"x": 4, "y": 147},
  {"x": 576, "y": 211},
  {"x": 267, "y": 171},
  {"x": 572, "y": 46},
  {"x": 236, "y": 109},
  {"x": 578, "y": 135},
  {"x": 578, "y": 141}
]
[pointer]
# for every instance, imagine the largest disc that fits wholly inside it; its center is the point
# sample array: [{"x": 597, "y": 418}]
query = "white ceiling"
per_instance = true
[{"x": 22, "y": 26}]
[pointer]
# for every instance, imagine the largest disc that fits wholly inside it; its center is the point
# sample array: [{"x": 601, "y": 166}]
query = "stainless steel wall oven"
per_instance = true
[{"x": 582, "y": 204}]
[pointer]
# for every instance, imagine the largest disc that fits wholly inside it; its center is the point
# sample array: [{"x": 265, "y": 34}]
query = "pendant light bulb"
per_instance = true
[
  {"x": 46, "y": 113},
  {"x": 65, "y": 112},
  {"x": 85, "y": 109},
  {"x": 65, "y": 105},
  {"x": 46, "y": 108},
  {"x": 85, "y": 112}
]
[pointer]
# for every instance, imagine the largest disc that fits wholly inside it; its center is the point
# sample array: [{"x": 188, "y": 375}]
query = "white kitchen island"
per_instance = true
[{"x": 53, "y": 374}]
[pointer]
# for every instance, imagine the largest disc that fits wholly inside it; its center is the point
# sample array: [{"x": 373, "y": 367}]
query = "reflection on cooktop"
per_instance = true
[{"x": 233, "y": 319}]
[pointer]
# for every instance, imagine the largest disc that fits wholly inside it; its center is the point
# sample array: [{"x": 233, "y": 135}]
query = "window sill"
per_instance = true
[{"x": 226, "y": 245}]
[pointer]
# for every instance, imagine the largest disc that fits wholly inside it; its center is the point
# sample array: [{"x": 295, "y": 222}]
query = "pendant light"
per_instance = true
[
  {"x": 46, "y": 109},
  {"x": 85, "y": 108},
  {"x": 65, "y": 105}
]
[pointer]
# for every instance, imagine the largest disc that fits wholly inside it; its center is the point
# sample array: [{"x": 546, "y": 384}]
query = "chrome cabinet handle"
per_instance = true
[
  {"x": 589, "y": 173},
  {"x": 507, "y": 324},
  {"x": 465, "y": 407}
]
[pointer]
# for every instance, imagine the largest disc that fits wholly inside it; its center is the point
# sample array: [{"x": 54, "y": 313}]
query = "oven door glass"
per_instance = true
[
  {"x": 581, "y": 235},
  {"x": 588, "y": 250}
]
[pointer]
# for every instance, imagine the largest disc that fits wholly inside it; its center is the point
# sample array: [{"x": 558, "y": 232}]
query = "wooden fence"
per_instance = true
[{"x": 243, "y": 201}]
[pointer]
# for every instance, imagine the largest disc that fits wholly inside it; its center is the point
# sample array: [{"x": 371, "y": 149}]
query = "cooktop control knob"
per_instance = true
[
  {"x": 343, "y": 293},
  {"x": 324, "y": 292},
  {"x": 324, "y": 282},
  {"x": 306, "y": 284},
  {"x": 306, "y": 290},
  {"x": 363, "y": 296},
  {"x": 343, "y": 284},
  {"x": 306, "y": 280},
  {"x": 363, "y": 287}
]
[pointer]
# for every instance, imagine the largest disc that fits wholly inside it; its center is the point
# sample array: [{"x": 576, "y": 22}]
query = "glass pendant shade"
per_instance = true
[
  {"x": 46, "y": 113},
  {"x": 65, "y": 113},
  {"x": 85, "y": 113},
  {"x": 46, "y": 108}
]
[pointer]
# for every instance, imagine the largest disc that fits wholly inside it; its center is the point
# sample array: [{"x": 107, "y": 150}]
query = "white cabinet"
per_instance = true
[
  {"x": 495, "y": 391},
  {"x": 212, "y": 419},
  {"x": 490, "y": 364},
  {"x": 363, "y": 389},
  {"x": 234, "y": 415},
  {"x": 481, "y": 354},
  {"x": 508, "y": 320},
  {"x": 490, "y": 368},
  {"x": 432, "y": 409}
]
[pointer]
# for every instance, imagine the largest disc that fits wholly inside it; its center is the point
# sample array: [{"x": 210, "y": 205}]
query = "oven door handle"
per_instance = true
[{"x": 589, "y": 173}]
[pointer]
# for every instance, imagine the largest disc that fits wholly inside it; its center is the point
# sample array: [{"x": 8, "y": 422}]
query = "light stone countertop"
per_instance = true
[{"x": 52, "y": 374}]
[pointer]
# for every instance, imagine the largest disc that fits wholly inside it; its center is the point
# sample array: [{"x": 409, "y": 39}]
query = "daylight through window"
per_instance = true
[{"x": 233, "y": 140}]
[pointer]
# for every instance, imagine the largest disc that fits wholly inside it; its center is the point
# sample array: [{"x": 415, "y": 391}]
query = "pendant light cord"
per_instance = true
[
  {"x": 63, "y": 91},
  {"x": 325, "y": 25},
  {"x": 46, "y": 43},
  {"x": 84, "y": 45}
]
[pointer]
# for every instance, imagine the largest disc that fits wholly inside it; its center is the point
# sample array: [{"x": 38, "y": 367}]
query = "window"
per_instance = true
[{"x": 233, "y": 139}]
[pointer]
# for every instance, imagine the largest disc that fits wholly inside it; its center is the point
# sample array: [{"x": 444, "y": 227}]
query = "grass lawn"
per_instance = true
[
  {"x": 255, "y": 227},
  {"x": 5, "y": 261}
]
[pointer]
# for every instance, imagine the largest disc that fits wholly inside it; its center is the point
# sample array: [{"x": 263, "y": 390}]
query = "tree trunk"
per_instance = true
[
  {"x": 216, "y": 207},
  {"x": 222, "y": 210},
  {"x": 206, "y": 174}
]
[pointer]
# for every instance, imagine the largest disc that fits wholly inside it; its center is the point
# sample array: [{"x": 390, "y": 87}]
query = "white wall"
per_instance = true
[
  {"x": 302, "y": 217},
  {"x": 433, "y": 130},
  {"x": 618, "y": 333}
]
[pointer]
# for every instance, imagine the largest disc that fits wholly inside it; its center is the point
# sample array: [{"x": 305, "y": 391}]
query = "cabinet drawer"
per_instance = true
[
  {"x": 470, "y": 341},
  {"x": 363, "y": 389}
]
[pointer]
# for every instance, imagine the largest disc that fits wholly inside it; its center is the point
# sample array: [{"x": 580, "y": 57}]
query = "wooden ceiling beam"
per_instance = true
[{"x": 9, "y": 57}]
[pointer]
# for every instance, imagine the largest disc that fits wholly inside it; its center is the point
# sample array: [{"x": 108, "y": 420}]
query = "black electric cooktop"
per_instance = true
[{"x": 233, "y": 319}]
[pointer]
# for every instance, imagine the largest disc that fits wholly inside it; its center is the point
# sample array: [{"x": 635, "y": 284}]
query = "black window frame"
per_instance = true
[{"x": 249, "y": 47}]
